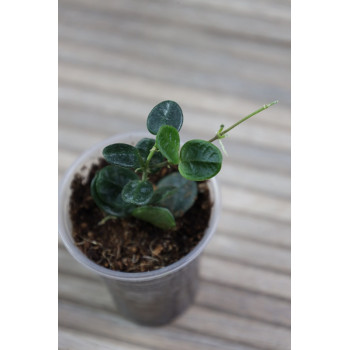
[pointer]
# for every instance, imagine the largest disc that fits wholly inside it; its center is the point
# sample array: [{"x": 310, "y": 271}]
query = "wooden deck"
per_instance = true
[{"x": 220, "y": 60}]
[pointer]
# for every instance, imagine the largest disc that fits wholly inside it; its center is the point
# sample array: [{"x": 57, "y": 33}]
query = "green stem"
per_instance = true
[
  {"x": 220, "y": 134},
  {"x": 146, "y": 168},
  {"x": 162, "y": 164}
]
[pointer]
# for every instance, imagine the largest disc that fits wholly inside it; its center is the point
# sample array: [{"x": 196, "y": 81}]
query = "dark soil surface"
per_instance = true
[{"x": 132, "y": 245}]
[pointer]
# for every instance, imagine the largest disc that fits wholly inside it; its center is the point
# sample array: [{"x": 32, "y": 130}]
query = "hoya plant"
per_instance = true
[{"x": 122, "y": 188}]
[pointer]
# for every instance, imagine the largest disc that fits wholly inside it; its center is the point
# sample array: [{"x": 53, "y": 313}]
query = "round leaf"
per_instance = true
[
  {"x": 137, "y": 192},
  {"x": 122, "y": 154},
  {"x": 161, "y": 193},
  {"x": 106, "y": 189},
  {"x": 199, "y": 160},
  {"x": 165, "y": 113},
  {"x": 182, "y": 198},
  {"x": 168, "y": 142},
  {"x": 159, "y": 217}
]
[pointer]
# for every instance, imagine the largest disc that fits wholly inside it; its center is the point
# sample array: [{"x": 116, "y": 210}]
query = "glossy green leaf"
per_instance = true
[
  {"x": 199, "y": 160},
  {"x": 106, "y": 189},
  {"x": 157, "y": 216},
  {"x": 137, "y": 192},
  {"x": 165, "y": 113},
  {"x": 183, "y": 198},
  {"x": 168, "y": 142},
  {"x": 144, "y": 146},
  {"x": 123, "y": 155}
]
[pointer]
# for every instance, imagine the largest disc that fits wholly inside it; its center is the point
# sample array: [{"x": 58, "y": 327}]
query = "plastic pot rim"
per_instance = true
[{"x": 64, "y": 230}]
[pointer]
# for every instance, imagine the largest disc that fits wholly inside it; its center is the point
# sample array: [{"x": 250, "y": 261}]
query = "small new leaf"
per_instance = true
[{"x": 168, "y": 142}]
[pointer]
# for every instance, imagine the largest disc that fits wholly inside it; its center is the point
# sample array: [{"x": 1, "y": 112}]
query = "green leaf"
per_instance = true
[
  {"x": 106, "y": 189},
  {"x": 137, "y": 192},
  {"x": 168, "y": 142},
  {"x": 123, "y": 155},
  {"x": 165, "y": 113},
  {"x": 161, "y": 193},
  {"x": 199, "y": 160},
  {"x": 159, "y": 217},
  {"x": 144, "y": 146},
  {"x": 183, "y": 198}
]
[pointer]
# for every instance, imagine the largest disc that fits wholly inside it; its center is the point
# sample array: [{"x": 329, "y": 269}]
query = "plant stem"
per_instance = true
[
  {"x": 162, "y": 164},
  {"x": 146, "y": 168},
  {"x": 220, "y": 134}
]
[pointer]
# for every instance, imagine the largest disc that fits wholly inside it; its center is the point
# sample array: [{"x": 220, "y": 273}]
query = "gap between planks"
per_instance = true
[
  {"x": 220, "y": 24},
  {"x": 222, "y": 72},
  {"x": 233, "y": 46},
  {"x": 107, "y": 84},
  {"x": 198, "y": 326},
  {"x": 225, "y": 85},
  {"x": 216, "y": 297},
  {"x": 69, "y": 338}
]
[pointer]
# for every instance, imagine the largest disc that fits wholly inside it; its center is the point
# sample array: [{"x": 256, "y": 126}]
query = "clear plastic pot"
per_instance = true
[{"x": 150, "y": 298}]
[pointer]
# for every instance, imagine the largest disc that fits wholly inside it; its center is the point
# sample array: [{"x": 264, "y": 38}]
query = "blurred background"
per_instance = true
[{"x": 219, "y": 60}]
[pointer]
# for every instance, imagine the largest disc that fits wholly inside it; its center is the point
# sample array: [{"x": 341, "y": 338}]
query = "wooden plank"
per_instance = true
[
  {"x": 249, "y": 278},
  {"x": 234, "y": 173},
  {"x": 236, "y": 198},
  {"x": 250, "y": 253},
  {"x": 236, "y": 329},
  {"x": 68, "y": 265},
  {"x": 111, "y": 326},
  {"x": 115, "y": 84},
  {"x": 126, "y": 26},
  {"x": 232, "y": 85},
  {"x": 279, "y": 10},
  {"x": 78, "y": 340},
  {"x": 254, "y": 228},
  {"x": 245, "y": 304},
  {"x": 226, "y": 72},
  {"x": 92, "y": 292},
  {"x": 173, "y": 14}
]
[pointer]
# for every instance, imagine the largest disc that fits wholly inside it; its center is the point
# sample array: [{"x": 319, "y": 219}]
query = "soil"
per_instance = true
[{"x": 132, "y": 245}]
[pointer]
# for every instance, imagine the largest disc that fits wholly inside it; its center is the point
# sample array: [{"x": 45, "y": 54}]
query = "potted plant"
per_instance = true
[{"x": 141, "y": 215}]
